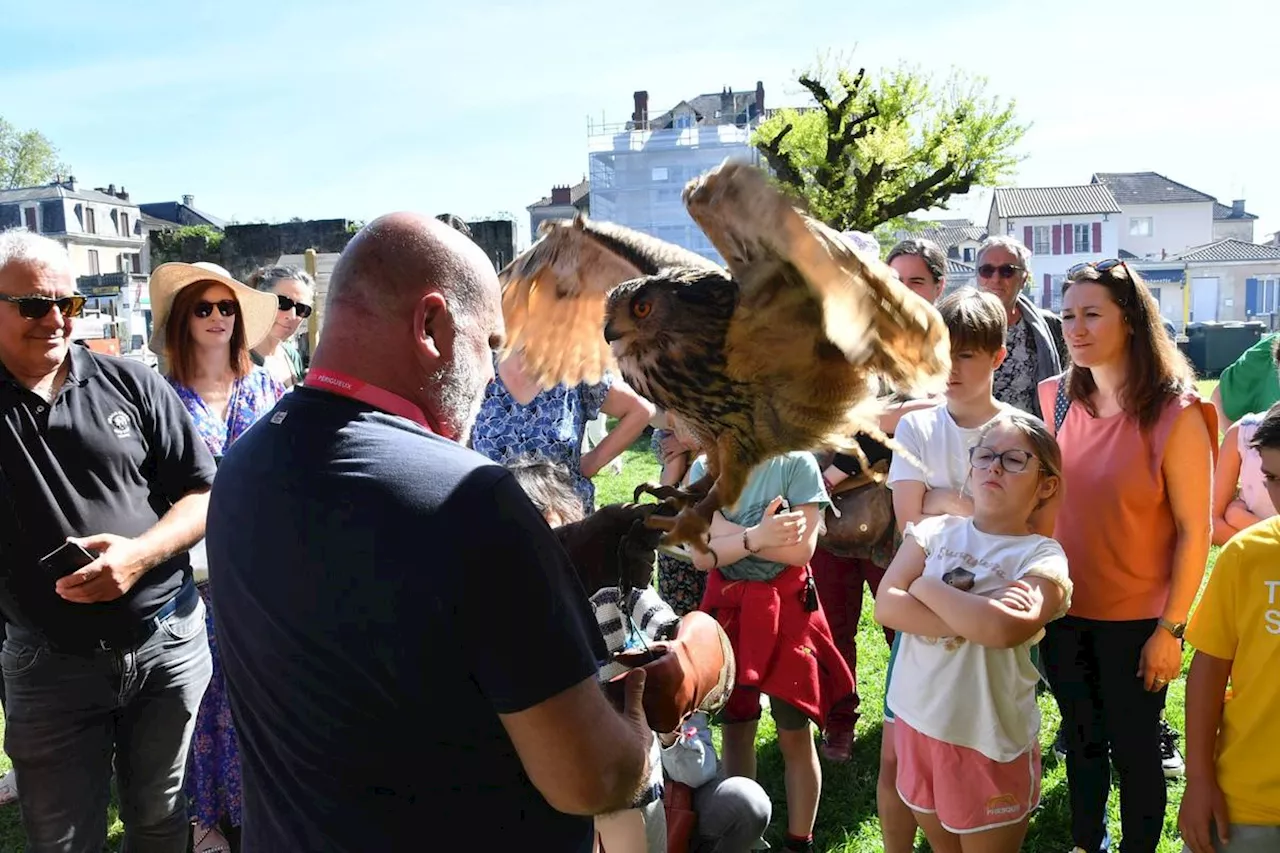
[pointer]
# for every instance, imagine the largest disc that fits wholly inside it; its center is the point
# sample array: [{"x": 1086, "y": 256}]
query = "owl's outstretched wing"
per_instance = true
[
  {"x": 771, "y": 249},
  {"x": 554, "y": 294}
]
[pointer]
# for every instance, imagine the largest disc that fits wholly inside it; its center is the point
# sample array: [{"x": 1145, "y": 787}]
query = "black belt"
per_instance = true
[{"x": 183, "y": 604}]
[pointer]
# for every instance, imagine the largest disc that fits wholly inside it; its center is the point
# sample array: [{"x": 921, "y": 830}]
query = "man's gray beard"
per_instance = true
[{"x": 457, "y": 393}]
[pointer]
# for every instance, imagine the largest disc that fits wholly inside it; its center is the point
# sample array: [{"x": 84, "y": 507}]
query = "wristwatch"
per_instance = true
[{"x": 1177, "y": 629}]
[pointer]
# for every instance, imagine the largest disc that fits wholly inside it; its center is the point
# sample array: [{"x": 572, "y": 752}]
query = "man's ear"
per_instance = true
[{"x": 432, "y": 323}]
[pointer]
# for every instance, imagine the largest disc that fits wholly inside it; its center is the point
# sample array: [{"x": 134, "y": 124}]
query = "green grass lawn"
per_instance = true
[{"x": 847, "y": 820}]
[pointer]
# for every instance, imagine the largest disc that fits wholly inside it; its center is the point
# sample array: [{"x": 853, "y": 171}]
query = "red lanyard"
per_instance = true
[{"x": 358, "y": 389}]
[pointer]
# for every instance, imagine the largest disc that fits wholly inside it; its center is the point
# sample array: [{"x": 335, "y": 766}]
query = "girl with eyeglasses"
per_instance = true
[
  {"x": 1138, "y": 452},
  {"x": 295, "y": 292},
  {"x": 207, "y": 321},
  {"x": 970, "y": 597}
]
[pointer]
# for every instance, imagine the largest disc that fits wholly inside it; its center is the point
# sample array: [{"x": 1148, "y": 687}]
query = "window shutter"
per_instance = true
[
  {"x": 1250, "y": 297},
  {"x": 1097, "y": 238},
  {"x": 1046, "y": 297},
  {"x": 1028, "y": 238},
  {"x": 1057, "y": 239}
]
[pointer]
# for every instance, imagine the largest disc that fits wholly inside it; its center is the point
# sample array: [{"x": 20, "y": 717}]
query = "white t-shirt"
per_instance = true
[
  {"x": 937, "y": 442},
  {"x": 960, "y": 692}
]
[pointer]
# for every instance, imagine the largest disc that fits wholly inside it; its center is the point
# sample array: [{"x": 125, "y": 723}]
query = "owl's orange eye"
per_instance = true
[{"x": 641, "y": 308}]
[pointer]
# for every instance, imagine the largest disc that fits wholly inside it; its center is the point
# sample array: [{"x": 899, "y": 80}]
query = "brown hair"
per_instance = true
[
  {"x": 1156, "y": 371},
  {"x": 1043, "y": 444},
  {"x": 976, "y": 320},
  {"x": 177, "y": 335}
]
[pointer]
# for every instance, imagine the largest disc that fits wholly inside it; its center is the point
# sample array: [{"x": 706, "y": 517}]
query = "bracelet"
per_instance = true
[{"x": 747, "y": 547}]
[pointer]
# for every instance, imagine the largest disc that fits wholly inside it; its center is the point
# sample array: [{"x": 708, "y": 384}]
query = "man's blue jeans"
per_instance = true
[{"x": 68, "y": 716}]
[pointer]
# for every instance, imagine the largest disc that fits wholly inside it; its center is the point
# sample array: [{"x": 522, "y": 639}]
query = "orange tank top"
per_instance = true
[{"x": 1116, "y": 522}]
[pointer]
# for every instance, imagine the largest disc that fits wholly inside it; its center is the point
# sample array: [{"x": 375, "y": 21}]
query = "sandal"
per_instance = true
[{"x": 211, "y": 841}]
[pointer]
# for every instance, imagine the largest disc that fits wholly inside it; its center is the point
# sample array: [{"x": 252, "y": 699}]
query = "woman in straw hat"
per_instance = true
[{"x": 206, "y": 322}]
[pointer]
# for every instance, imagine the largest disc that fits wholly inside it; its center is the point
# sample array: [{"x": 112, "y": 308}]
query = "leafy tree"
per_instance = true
[
  {"x": 872, "y": 151},
  {"x": 27, "y": 158}
]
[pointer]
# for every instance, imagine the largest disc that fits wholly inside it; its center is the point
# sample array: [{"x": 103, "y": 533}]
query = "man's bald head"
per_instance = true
[{"x": 398, "y": 258}]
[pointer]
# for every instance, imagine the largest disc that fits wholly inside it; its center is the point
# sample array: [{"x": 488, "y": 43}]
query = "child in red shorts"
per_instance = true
[{"x": 971, "y": 597}]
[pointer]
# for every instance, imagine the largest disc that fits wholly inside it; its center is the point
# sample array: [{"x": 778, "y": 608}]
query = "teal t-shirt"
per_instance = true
[
  {"x": 1251, "y": 383},
  {"x": 796, "y": 477}
]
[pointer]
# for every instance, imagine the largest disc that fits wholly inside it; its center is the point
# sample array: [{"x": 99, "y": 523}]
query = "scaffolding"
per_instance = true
[{"x": 638, "y": 175}]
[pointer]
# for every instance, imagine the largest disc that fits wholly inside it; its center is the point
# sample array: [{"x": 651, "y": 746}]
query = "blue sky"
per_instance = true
[{"x": 279, "y": 108}]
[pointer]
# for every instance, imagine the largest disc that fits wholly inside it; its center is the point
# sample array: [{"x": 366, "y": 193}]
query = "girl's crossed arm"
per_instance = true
[{"x": 999, "y": 623}]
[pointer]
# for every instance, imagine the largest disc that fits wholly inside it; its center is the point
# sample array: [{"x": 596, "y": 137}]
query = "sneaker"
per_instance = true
[
  {"x": 1170, "y": 758},
  {"x": 8, "y": 788},
  {"x": 1060, "y": 744}
]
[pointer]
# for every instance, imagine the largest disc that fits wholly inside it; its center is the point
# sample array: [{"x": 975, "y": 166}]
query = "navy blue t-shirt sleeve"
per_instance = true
[
  {"x": 181, "y": 460},
  {"x": 528, "y": 628}
]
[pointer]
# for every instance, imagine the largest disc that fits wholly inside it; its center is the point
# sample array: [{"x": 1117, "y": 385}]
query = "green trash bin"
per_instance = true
[
  {"x": 1197, "y": 336},
  {"x": 1213, "y": 347}
]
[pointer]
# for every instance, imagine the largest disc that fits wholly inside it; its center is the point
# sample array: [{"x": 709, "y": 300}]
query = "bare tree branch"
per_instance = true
[{"x": 781, "y": 163}]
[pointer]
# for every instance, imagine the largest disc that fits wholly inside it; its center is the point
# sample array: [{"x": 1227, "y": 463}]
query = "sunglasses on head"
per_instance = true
[
  {"x": 1100, "y": 266},
  {"x": 226, "y": 307},
  {"x": 1005, "y": 270},
  {"x": 286, "y": 304},
  {"x": 35, "y": 307}
]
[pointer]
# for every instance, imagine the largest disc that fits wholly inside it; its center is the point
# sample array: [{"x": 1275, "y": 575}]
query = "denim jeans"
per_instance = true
[
  {"x": 733, "y": 814},
  {"x": 69, "y": 715}
]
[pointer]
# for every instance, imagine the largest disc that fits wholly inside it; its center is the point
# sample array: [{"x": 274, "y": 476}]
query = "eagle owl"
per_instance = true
[{"x": 780, "y": 351}]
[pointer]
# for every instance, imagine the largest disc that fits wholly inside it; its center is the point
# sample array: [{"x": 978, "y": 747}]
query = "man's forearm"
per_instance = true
[{"x": 177, "y": 530}]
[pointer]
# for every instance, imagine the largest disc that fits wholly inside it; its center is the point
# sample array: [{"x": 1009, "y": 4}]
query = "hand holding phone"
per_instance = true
[{"x": 66, "y": 559}]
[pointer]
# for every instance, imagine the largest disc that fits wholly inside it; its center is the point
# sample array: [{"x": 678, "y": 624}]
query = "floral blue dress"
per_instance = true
[
  {"x": 213, "y": 765},
  {"x": 550, "y": 427}
]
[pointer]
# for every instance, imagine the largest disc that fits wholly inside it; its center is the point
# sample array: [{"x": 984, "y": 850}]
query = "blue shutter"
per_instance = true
[{"x": 1250, "y": 297}]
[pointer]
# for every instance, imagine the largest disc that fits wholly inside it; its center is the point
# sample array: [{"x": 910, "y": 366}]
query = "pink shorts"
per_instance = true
[{"x": 966, "y": 790}]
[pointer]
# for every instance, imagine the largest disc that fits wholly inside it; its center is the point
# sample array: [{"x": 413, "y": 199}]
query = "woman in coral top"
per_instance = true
[{"x": 1135, "y": 524}]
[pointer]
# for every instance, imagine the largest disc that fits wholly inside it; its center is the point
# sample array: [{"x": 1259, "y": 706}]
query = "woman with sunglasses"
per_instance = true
[
  {"x": 207, "y": 322},
  {"x": 1138, "y": 451},
  {"x": 1034, "y": 340},
  {"x": 295, "y": 293}
]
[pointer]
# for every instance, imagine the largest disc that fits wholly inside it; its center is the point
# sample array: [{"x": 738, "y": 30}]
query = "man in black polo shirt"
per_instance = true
[
  {"x": 110, "y": 660},
  {"x": 410, "y": 658}
]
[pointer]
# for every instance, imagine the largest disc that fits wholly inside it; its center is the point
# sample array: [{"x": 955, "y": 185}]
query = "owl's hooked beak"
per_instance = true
[{"x": 610, "y": 333}]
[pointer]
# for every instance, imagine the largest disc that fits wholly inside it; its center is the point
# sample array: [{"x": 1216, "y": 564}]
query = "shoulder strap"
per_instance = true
[{"x": 1060, "y": 405}]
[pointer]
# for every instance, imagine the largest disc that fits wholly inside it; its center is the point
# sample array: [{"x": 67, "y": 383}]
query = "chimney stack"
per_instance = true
[
  {"x": 1237, "y": 207},
  {"x": 111, "y": 189},
  {"x": 641, "y": 115},
  {"x": 560, "y": 195},
  {"x": 71, "y": 183},
  {"x": 760, "y": 98},
  {"x": 189, "y": 200}
]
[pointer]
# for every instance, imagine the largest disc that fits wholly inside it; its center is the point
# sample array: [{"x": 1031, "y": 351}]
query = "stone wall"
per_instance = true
[{"x": 243, "y": 248}]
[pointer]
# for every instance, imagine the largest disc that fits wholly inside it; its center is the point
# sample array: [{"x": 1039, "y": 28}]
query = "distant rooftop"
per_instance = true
[
  {"x": 1054, "y": 201},
  {"x": 1149, "y": 188},
  {"x": 1230, "y": 250}
]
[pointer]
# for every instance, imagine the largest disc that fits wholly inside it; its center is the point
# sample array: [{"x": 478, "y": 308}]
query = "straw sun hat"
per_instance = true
[{"x": 257, "y": 309}]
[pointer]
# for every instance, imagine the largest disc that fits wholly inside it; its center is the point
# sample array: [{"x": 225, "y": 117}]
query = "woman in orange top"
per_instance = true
[{"x": 1135, "y": 523}]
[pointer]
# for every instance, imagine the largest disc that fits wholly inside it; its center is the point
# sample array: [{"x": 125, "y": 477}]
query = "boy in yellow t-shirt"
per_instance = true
[{"x": 1232, "y": 800}]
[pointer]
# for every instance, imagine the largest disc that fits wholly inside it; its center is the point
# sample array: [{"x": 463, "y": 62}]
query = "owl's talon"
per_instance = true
[
  {"x": 679, "y": 498},
  {"x": 665, "y": 523},
  {"x": 688, "y": 528}
]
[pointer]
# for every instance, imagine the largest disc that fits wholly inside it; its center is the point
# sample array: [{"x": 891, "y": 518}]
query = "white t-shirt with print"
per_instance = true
[
  {"x": 938, "y": 443},
  {"x": 960, "y": 692}
]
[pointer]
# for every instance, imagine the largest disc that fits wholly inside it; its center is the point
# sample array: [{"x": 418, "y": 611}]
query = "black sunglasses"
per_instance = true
[
  {"x": 1100, "y": 266},
  {"x": 1005, "y": 270},
  {"x": 35, "y": 307},
  {"x": 285, "y": 303},
  {"x": 226, "y": 307}
]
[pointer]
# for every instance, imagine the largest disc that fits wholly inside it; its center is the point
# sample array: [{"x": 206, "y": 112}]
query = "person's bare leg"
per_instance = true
[
  {"x": 940, "y": 840},
  {"x": 803, "y": 779},
  {"x": 739, "y": 743},
  {"x": 622, "y": 832},
  {"x": 897, "y": 822},
  {"x": 1004, "y": 839}
]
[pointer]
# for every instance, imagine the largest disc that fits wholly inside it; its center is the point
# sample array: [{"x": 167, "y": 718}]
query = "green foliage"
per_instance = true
[
  {"x": 27, "y": 158},
  {"x": 873, "y": 151},
  {"x": 189, "y": 243}
]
